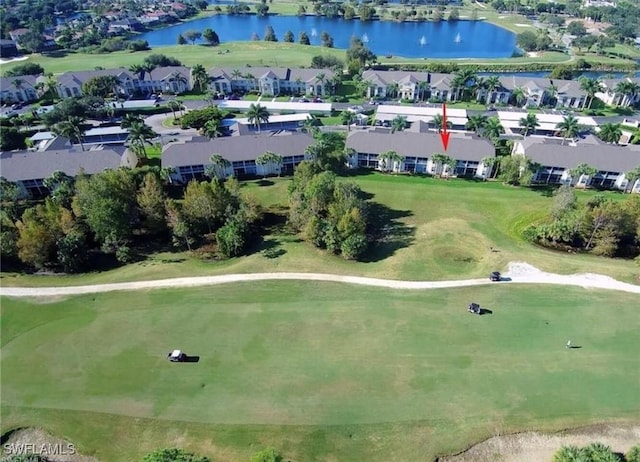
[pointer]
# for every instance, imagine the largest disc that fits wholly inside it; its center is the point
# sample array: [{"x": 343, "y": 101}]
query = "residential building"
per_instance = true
[
  {"x": 556, "y": 160},
  {"x": 270, "y": 81},
  {"x": 456, "y": 117},
  {"x": 20, "y": 89},
  {"x": 409, "y": 85},
  {"x": 547, "y": 122},
  {"x": 189, "y": 159},
  {"x": 173, "y": 79},
  {"x": 609, "y": 95},
  {"x": 29, "y": 169},
  {"x": 8, "y": 49},
  {"x": 418, "y": 149},
  {"x": 278, "y": 106}
]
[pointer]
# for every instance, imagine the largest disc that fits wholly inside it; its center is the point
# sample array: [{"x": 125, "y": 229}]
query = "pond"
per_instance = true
[{"x": 457, "y": 39}]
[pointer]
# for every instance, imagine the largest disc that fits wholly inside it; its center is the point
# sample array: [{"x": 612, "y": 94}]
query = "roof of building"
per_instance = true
[
  {"x": 276, "y": 106},
  {"x": 234, "y": 148},
  {"x": 282, "y": 73},
  {"x": 102, "y": 131},
  {"x": 33, "y": 165},
  {"x": 159, "y": 73},
  {"x": 434, "y": 79},
  {"x": 7, "y": 83},
  {"x": 277, "y": 118},
  {"x": 511, "y": 119},
  {"x": 604, "y": 157},
  {"x": 462, "y": 147}
]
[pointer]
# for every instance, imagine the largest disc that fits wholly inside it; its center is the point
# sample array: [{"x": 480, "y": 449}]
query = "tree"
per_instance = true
[
  {"x": 139, "y": 69},
  {"x": 527, "y": 40},
  {"x": 24, "y": 69},
  {"x": 634, "y": 454},
  {"x": 71, "y": 128},
  {"x": 200, "y": 77},
  {"x": 105, "y": 201},
  {"x": 438, "y": 122},
  {"x": 583, "y": 169},
  {"x": 441, "y": 161},
  {"x": 519, "y": 95},
  {"x": 151, "y": 201},
  {"x": 576, "y": 28},
  {"x": 569, "y": 454},
  {"x": 262, "y": 9},
  {"x": 590, "y": 87},
  {"x": 493, "y": 129},
  {"x": 266, "y": 455},
  {"x": 564, "y": 201},
  {"x": 627, "y": 89},
  {"x": 32, "y": 41},
  {"x": 140, "y": 134},
  {"x": 173, "y": 455},
  {"x": 269, "y": 34},
  {"x": 569, "y": 127},
  {"x": 101, "y": 86},
  {"x": 492, "y": 163},
  {"x": 61, "y": 188},
  {"x": 38, "y": 231},
  {"x": 232, "y": 238},
  {"x": 516, "y": 170},
  {"x": 213, "y": 129},
  {"x": 257, "y": 115},
  {"x": 326, "y": 40},
  {"x": 270, "y": 159},
  {"x": 288, "y": 37},
  {"x": 529, "y": 123},
  {"x": 610, "y": 133},
  {"x": 303, "y": 39},
  {"x": 476, "y": 123},
  {"x": 359, "y": 53},
  {"x": 398, "y": 123},
  {"x": 211, "y": 36},
  {"x": 160, "y": 60},
  {"x": 192, "y": 36},
  {"x": 218, "y": 168},
  {"x": 632, "y": 176},
  {"x": 347, "y": 118},
  {"x": 454, "y": 14},
  {"x": 11, "y": 139},
  {"x": 389, "y": 160},
  {"x": 181, "y": 40},
  {"x": 181, "y": 231}
]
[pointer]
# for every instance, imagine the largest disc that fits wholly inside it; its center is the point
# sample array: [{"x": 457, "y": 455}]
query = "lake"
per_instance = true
[{"x": 458, "y": 39}]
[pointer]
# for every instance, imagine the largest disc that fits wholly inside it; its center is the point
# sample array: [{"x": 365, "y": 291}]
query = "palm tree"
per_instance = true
[
  {"x": 18, "y": 84},
  {"x": 438, "y": 122},
  {"x": 583, "y": 170},
  {"x": 174, "y": 105},
  {"x": 392, "y": 90},
  {"x": 347, "y": 118},
  {"x": 462, "y": 80},
  {"x": 51, "y": 84},
  {"x": 590, "y": 87},
  {"x": 398, "y": 123},
  {"x": 627, "y": 90},
  {"x": 569, "y": 127},
  {"x": 519, "y": 95},
  {"x": 139, "y": 134},
  {"x": 148, "y": 68},
  {"x": 212, "y": 128},
  {"x": 257, "y": 114},
  {"x": 218, "y": 167},
  {"x": 441, "y": 161},
  {"x": 200, "y": 77},
  {"x": 129, "y": 119},
  {"x": 610, "y": 133},
  {"x": 492, "y": 84},
  {"x": 492, "y": 163},
  {"x": 139, "y": 69},
  {"x": 493, "y": 129},
  {"x": 385, "y": 161},
  {"x": 310, "y": 125},
  {"x": 269, "y": 158},
  {"x": 529, "y": 123},
  {"x": 236, "y": 74},
  {"x": 422, "y": 88},
  {"x": 71, "y": 128},
  {"x": 176, "y": 81},
  {"x": 321, "y": 78},
  {"x": 476, "y": 123},
  {"x": 632, "y": 176}
]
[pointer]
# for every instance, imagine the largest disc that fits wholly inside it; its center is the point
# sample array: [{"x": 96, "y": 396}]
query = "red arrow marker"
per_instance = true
[{"x": 444, "y": 135}]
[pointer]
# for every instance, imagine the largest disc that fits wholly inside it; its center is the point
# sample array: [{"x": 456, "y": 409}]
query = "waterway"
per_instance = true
[{"x": 457, "y": 39}]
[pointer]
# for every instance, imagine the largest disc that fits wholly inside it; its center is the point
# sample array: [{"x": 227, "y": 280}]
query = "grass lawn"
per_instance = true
[
  {"x": 443, "y": 230},
  {"x": 321, "y": 371}
]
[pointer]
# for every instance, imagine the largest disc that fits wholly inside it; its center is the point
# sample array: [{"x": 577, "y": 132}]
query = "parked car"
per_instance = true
[
  {"x": 177, "y": 356},
  {"x": 495, "y": 276}
]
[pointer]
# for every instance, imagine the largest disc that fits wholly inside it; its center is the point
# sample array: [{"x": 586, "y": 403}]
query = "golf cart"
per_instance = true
[
  {"x": 176, "y": 356},
  {"x": 495, "y": 276},
  {"x": 474, "y": 308}
]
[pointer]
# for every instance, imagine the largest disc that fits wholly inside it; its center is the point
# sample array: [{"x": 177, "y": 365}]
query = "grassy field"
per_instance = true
[
  {"x": 322, "y": 371},
  {"x": 442, "y": 230}
]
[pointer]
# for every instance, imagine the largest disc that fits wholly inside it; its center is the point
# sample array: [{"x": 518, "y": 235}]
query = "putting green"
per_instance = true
[{"x": 324, "y": 355}]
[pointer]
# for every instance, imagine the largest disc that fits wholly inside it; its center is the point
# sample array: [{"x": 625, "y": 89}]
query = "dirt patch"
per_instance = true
[
  {"x": 540, "y": 447},
  {"x": 38, "y": 441}
]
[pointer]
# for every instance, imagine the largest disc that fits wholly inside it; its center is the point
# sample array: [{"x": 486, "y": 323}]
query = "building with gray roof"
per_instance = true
[
  {"x": 190, "y": 159},
  {"x": 28, "y": 169},
  {"x": 18, "y": 89},
  {"x": 556, "y": 160},
  {"x": 270, "y": 81},
  {"x": 173, "y": 79},
  {"x": 418, "y": 150}
]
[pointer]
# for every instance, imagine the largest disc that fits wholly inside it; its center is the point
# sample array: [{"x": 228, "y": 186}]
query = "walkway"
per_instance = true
[{"x": 518, "y": 273}]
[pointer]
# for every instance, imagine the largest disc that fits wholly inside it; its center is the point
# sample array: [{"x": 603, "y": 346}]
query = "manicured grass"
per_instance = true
[
  {"x": 321, "y": 371},
  {"x": 444, "y": 230}
]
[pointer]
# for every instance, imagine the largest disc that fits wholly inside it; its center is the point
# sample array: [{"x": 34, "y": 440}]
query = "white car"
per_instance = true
[{"x": 176, "y": 356}]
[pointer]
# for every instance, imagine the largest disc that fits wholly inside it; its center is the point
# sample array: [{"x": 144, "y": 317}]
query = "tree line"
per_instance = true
[{"x": 602, "y": 226}]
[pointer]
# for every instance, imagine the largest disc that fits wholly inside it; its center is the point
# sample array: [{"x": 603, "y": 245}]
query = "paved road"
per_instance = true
[{"x": 518, "y": 273}]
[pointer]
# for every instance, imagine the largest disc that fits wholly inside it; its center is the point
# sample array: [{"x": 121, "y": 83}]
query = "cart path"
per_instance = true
[{"x": 517, "y": 273}]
